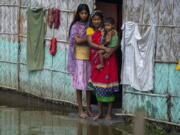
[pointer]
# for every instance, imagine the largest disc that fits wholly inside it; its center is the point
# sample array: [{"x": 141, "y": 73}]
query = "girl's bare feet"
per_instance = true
[
  {"x": 90, "y": 114},
  {"x": 83, "y": 115},
  {"x": 108, "y": 117},
  {"x": 98, "y": 116}
]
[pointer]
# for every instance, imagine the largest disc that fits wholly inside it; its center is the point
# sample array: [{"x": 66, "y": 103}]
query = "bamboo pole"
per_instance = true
[
  {"x": 170, "y": 26},
  {"x": 49, "y": 69},
  {"x": 19, "y": 45},
  {"x": 166, "y": 62},
  {"x": 146, "y": 93},
  {"x": 25, "y": 36}
]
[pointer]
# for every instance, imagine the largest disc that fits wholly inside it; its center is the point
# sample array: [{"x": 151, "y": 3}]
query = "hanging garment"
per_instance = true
[
  {"x": 36, "y": 29},
  {"x": 178, "y": 66},
  {"x": 138, "y": 56},
  {"x": 56, "y": 16},
  {"x": 53, "y": 46},
  {"x": 50, "y": 18}
]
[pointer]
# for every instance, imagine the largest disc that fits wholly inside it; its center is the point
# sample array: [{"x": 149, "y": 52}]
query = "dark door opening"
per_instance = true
[{"x": 113, "y": 8}]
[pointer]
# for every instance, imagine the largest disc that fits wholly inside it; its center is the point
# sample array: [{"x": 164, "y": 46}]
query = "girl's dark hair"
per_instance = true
[
  {"x": 100, "y": 15},
  {"x": 80, "y": 8}
]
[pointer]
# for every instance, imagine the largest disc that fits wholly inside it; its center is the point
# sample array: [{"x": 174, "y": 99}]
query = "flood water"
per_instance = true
[
  {"x": 16, "y": 121},
  {"x": 21, "y": 115}
]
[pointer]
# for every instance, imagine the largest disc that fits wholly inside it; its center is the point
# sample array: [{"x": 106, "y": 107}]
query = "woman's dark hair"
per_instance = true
[
  {"x": 100, "y": 15},
  {"x": 80, "y": 8}
]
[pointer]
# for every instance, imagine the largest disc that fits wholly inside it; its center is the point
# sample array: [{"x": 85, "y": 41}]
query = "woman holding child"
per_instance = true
[{"x": 104, "y": 79}]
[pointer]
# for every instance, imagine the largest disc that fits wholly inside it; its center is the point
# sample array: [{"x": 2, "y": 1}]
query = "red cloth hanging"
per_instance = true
[
  {"x": 53, "y": 46},
  {"x": 50, "y": 18},
  {"x": 56, "y": 16}
]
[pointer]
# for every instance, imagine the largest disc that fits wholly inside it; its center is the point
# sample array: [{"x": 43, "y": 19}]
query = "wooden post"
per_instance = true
[
  {"x": 139, "y": 122},
  {"x": 19, "y": 45}
]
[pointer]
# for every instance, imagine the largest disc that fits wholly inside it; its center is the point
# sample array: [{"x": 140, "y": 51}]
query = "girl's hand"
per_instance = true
[
  {"x": 102, "y": 45},
  {"x": 77, "y": 38},
  {"x": 80, "y": 41},
  {"x": 108, "y": 50},
  {"x": 100, "y": 51},
  {"x": 107, "y": 55}
]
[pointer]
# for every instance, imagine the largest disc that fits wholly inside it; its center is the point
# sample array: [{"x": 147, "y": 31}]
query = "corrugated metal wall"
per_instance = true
[
  {"x": 53, "y": 81},
  {"x": 164, "y": 102}
]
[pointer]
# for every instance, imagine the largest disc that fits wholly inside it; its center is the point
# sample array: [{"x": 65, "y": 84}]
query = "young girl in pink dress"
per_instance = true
[{"x": 78, "y": 57}]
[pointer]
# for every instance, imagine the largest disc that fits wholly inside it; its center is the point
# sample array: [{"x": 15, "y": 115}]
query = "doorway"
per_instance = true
[{"x": 113, "y": 8}]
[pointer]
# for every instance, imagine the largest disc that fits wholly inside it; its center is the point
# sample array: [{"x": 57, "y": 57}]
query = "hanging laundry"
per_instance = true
[
  {"x": 50, "y": 18},
  {"x": 53, "y": 18},
  {"x": 56, "y": 16},
  {"x": 36, "y": 29},
  {"x": 53, "y": 46},
  {"x": 138, "y": 56},
  {"x": 178, "y": 66}
]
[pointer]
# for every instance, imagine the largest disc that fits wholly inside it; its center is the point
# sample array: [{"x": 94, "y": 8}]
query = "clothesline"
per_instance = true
[
  {"x": 64, "y": 41},
  {"x": 159, "y": 25},
  {"x": 50, "y": 69},
  {"x": 171, "y": 26},
  {"x": 25, "y": 36},
  {"x": 9, "y": 5},
  {"x": 8, "y": 33},
  {"x": 169, "y": 62}
]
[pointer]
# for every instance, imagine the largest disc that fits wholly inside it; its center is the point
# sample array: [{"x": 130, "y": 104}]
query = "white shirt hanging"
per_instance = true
[{"x": 138, "y": 56}]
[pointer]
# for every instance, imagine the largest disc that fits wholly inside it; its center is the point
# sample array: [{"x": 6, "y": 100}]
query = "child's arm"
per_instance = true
[
  {"x": 108, "y": 37},
  {"x": 114, "y": 46}
]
